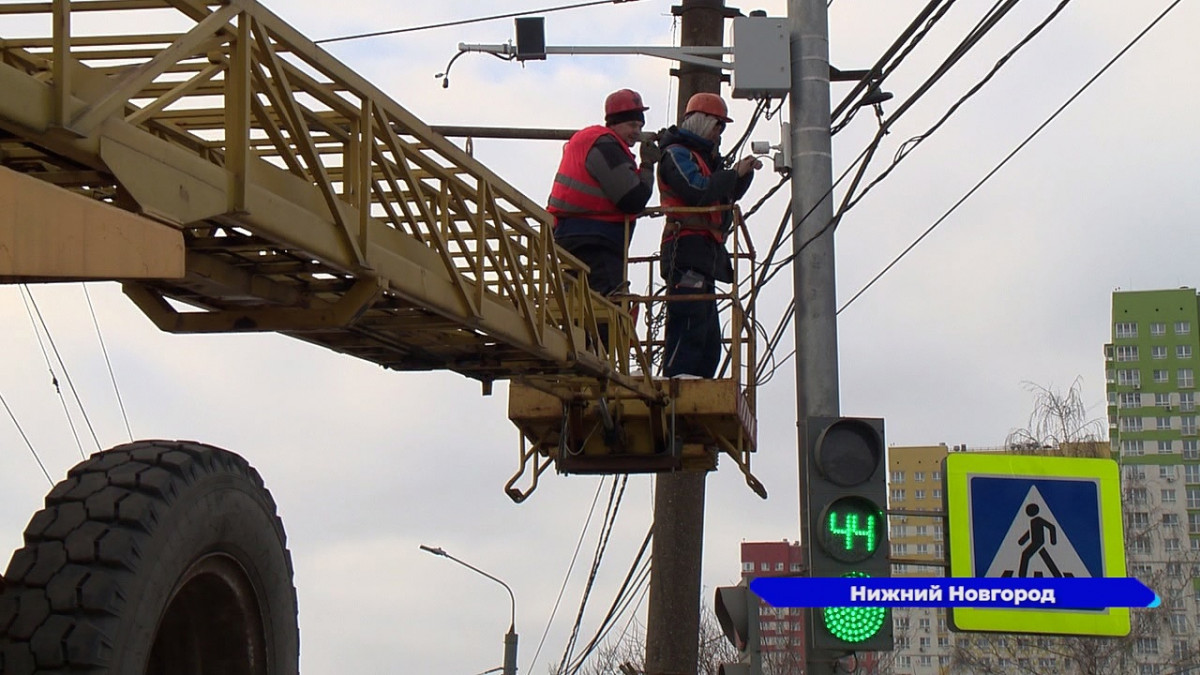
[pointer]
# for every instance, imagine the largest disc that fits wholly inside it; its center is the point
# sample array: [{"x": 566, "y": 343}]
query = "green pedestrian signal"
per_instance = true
[{"x": 854, "y": 624}]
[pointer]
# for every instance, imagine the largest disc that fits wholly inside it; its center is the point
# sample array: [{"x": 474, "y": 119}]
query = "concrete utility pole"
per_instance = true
[
  {"x": 814, "y": 281},
  {"x": 673, "y": 616}
]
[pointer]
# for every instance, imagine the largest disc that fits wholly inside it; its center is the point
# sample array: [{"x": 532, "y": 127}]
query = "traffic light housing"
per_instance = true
[
  {"x": 845, "y": 492},
  {"x": 737, "y": 610}
]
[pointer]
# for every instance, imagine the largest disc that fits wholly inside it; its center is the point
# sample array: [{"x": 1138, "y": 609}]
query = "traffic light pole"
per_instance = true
[
  {"x": 813, "y": 277},
  {"x": 673, "y": 615}
]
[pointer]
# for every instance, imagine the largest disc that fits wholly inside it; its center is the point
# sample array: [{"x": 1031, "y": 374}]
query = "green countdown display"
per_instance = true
[
  {"x": 854, "y": 624},
  {"x": 851, "y": 529}
]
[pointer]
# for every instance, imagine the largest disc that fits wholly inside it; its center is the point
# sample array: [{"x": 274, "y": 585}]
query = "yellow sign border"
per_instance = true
[{"x": 960, "y": 468}]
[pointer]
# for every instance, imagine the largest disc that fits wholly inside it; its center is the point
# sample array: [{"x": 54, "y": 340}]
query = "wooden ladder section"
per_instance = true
[{"x": 235, "y": 177}]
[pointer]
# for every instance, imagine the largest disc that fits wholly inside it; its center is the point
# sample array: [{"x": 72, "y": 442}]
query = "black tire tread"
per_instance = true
[{"x": 62, "y": 592}]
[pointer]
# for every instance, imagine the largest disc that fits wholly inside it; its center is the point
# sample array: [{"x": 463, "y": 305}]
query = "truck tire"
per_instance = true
[{"x": 155, "y": 558}]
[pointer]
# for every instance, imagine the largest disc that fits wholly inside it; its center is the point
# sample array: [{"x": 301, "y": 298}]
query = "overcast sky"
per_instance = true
[{"x": 366, "y": 465}]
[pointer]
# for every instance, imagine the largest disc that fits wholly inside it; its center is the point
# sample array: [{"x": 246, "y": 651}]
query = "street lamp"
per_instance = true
[{"x": 510, "y": 638}]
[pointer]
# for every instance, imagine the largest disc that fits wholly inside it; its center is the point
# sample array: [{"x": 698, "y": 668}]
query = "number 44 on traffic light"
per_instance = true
[{"x": 845, "y": 486}]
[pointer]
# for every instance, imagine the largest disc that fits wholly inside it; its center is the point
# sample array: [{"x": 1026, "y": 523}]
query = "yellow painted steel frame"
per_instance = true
[
  {"x": 299, "y": 188},
  {"x": 308, "y": 202}
]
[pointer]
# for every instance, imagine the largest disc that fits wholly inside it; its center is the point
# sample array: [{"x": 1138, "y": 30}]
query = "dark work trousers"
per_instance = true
[
  {"x": 605, "y": 259},
  {"x": 693, "y": 333}
]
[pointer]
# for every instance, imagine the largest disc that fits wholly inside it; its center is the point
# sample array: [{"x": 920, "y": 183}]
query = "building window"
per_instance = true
[
  {"x": 1140, "y": 519},
  {"x": 764, "y": 567},
  {"x": 1162, "y": 423},
  {"x": 1170, "y": 519},
  {"x": 1166, "y": 471},
  {"x": 937, "y": 494},
  {"x": 778, "y": 567},
  {"x": 1174, "y": 569},
  {"x": 1139, "y": 496},
  {"x": 925, "y": 661},
  {"x": 922, "y": 549},
  {"x": 1158, "y": 352},
  {"x": 1131, "y": 424},
  {"x": 1135, "y": 472},
  {"x": 1127, "y": 330},
  {"x": 1164, "y": 448},
  {"x": 1191, "y": 449},
  {"x": 747, "y": 567},
  {"x": 1162, "y": 400},
  {"x": 1147, "y": 645},
  {"x": 1191, "y": 473},
  {"x": 1133, "y": 447},
  {"x": 1161, "y": 376},
  {"x": 1180, "y": 650},
  {"x": 1194, "y": 523},
  {"x": 897, "y": 476},
  {"x": 939, "y": 551},
  {"x": 1187, "y": 425},
  {"x": 919, "y": 494},
  {"x": 1187, "y": 401},
  {"x": 1181, "y": 327},
  {"x": 1129, "y": 377},
  {"x": 796, "y": 567},
  {"x": 899, "y": 549},
  {"x": 922, "y": 530},
  {"x": 1127, "y": 353},
  {"x": 1172, "y": 545},
  {"x": 897, "y": 494},
  {"x": 905, "y": 662},
  {"x": 1130, "y": 399},
  {"x": 923, "y": 624},
  {"x": 1168, "y": 496},
  {"x": 923, "y": 643},
  {"x": 1158, "y": 329},
  {"x": 918, "y": 476},
  {"x": 1193, "y": 498},
  {"x": 1183, "y": 351},
  {"x": 937, "y": 475},
  {"x": 1184, "y": 378}
]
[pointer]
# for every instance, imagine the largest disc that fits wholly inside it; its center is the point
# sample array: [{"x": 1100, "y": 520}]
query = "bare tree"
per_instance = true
[
  {"x": 1059, "y": 421},
  {"x": 627, "y": 653}
]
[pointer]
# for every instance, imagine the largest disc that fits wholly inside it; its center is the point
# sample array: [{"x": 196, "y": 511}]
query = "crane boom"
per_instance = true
[{"x": 236, "y": 177}]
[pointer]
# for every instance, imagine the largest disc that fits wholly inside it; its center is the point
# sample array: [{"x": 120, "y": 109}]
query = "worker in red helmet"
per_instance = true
[
  {"x": 693, "y": 255},
  {"x": 599, "y": 184}
]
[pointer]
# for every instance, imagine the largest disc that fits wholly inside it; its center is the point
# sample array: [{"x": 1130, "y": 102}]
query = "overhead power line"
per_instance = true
[
  {"x": 570, "y": 568},
  {"x": 107, "y": 361},
  {"x": 1012, "y": 154},
  {"x": 461, "y": 22},
  {"x": 28, "y": 444}
]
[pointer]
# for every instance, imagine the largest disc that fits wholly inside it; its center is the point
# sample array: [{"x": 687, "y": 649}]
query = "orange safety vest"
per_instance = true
[
  {"x": 575, "y": 192},
  {"x": 710, "y": 224}
]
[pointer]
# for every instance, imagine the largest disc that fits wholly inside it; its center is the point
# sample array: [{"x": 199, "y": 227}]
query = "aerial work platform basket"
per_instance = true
[{"x": 590, "y": 427}]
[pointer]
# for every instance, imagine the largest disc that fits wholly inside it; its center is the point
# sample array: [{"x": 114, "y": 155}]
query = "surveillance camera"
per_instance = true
[{"x": 760, "y": 147}]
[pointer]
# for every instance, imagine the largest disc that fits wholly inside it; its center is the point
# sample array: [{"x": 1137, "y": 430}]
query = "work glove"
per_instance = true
[{"x": 649, "y": 151}]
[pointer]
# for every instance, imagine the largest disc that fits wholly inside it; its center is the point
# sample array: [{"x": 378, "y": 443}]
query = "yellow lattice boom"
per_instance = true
[{"x": 235, "y": 177}]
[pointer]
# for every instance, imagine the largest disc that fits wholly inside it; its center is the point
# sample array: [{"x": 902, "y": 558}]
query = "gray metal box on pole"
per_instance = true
[{"x": 761, "y": 58}]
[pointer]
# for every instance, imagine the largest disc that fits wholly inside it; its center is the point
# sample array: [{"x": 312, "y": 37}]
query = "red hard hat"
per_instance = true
[
  {"x": 623, "y": 100},
  {"x": 709, "y": 103}
]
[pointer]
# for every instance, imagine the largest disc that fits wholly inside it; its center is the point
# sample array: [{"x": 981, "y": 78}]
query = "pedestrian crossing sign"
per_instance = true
[{"x": 1027, "y": 516}]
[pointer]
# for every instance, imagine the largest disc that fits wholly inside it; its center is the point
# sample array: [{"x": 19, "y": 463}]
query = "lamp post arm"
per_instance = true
[{"x": 512, "y": 598}]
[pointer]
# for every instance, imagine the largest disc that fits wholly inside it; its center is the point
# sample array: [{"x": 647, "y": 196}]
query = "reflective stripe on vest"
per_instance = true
[
  {"x": 710, "y": 224},
  {"x": 575, "y": 192}
]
